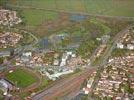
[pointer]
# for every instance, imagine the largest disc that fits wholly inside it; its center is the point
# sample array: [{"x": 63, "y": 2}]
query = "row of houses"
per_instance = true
[
  {"x": 127, "y": 46},
  {"x": 115, "y": 78},
  {"x": 9, "y": 18},
  {"x": 30, "y": 59},
  {"x": 5, "y": 53},
  {"x": 9, "y": 39},
  {"x": 127, "y": 41},
  {"x": 88, "y": 88}
]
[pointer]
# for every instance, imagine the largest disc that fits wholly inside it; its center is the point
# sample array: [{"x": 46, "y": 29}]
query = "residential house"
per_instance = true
[
  {"x": 130, "y": 46},
  {"x": 5, "y": 53},
  {"x": 120, "y": 45}
]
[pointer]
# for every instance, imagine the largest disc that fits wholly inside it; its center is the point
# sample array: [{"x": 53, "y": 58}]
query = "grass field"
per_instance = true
[
  {"x": 36, "y": 17},
  {"x": 102, "y": 7},
  {"x": 105, "y": 28},
  {"x": 36, "y": 13},
  {"x": 106, "y": 7},
  {"x": 21, "y": 78}
]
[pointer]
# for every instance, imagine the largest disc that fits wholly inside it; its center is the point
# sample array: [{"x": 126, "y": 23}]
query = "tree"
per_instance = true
[
  {"x": 1, "y": 60},
  {"x": 3, "y": 3}
]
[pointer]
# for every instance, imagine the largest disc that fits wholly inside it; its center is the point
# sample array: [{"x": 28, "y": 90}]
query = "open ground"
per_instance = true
[{"x": 37, "y": 13}]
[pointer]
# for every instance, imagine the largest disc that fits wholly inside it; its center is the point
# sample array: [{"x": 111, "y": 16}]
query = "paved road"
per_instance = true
[{"x": 70, "y": 84}]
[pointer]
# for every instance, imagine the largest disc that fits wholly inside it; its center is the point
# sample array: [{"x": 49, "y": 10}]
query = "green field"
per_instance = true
[
  {"x": 105, "y": 28},
  {"x": 37, "y": 12},
  {"x": 104, "y": 7},
  {"x": 36, "y": 17},
  {"x": 21, "y": 78}
]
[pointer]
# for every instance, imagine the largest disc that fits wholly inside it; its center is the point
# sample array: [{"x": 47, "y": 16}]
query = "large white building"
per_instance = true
[
  {"x": 5, "y": 53},
  {"x": 5, "y": 86}
]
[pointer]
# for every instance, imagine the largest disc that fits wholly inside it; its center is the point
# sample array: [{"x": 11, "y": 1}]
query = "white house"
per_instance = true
[
  {"x": 5, "y": 54},
  {"x": 73, "y": 55},
  {"x": 56, "y": 62},
  {"x": 27, "y": 54},
  {"x": 120, "y": 45},
  {"x": 69, "y": 53},
  {"x": 130, "y": 46}
]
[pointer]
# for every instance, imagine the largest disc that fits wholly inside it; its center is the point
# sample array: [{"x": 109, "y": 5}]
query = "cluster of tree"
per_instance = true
[
  {"x": 1, "y": 60},
  {"x": 87, "y": 47},
  {"x": 119, "y": 52},
  {"x": 3, "y": 3}
]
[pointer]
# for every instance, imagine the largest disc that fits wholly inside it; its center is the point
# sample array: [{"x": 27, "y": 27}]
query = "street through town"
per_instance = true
[{"x": 68, "y": 84}]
